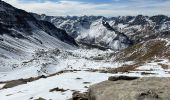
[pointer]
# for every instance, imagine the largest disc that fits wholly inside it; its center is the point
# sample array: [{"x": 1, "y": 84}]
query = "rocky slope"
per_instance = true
[
  {"x": 19, "y": 29},
  {"x": 21, "y": 35},
  {"x": 158, "y": 48}
]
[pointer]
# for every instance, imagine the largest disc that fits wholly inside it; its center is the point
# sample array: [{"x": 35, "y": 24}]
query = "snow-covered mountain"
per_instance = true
[
  {"x": 102, "y": 34},
  {"x": 140, "y": 28},
  {"x": 91, "y": 28},
  {"x": 90, "y": 31}
]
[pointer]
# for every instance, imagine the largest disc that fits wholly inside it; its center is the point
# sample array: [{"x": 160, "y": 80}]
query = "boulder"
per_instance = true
[{"x": 147, "y": 88}]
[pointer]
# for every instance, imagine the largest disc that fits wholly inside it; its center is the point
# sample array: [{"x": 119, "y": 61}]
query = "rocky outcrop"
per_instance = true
[{"x": 124, "y": 88}]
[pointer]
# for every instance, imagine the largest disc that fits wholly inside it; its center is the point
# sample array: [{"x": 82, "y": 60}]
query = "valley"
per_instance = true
[{"x": 51, "y": 57}]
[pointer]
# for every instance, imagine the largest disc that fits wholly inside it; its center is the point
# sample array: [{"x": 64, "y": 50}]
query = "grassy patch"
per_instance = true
[
  {"x": 146, "y": 51},
  {"x": 14, "y": 83},
  {"x": 124, "y": 68}
]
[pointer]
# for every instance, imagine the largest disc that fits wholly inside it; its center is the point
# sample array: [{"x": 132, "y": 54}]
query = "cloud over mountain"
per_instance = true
[{"x": 94, "y": 7}]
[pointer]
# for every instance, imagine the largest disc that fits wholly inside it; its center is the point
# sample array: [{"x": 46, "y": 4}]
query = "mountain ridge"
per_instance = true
[{"x": 136, "y": 28}]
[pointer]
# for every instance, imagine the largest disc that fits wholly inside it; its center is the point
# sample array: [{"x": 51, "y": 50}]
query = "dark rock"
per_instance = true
[
  {"x": 148, "y": 94},
  {"x": 40, "y": 98},
  {"x": 78, "y": 78},
  {"x": 86, "y": 82},
  {"x": 116, "y": 78},
  {"x": 43, "y": 76},
  {"x": 79, "y": 96},
  {"x": 58, "y": 89}
]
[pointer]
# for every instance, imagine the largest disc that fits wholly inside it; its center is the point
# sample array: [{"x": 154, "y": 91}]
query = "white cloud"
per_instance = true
[{"x": 62, "y": 8}]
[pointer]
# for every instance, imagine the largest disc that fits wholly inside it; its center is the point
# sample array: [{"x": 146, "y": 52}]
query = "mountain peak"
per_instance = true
[{"x": 139, "y": 20}]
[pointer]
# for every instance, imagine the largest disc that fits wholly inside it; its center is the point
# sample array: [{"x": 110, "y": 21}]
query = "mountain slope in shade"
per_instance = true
[{"x": 21, "y": 33}]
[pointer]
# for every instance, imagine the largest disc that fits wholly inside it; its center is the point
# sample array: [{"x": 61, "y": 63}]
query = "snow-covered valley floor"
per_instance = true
[{"x": 78, "y": 75}]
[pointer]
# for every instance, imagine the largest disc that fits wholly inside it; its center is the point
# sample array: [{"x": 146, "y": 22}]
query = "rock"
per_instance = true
[
  {"x": 58, "y": 90},
  {"x": 79, "y": 96},
  {"x": 40, "y": 98},
  {"x": 116, "y": 78},
  {"x": 78, "y": 78},
  {"x": 147, "y": 88},
  {"x": 149, "y": 94},
  {"x": 86, "y": 82},
  {"x": 43, "y": 76}
]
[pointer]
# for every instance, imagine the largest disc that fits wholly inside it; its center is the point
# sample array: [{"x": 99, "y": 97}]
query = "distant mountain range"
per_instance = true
[{"x": 114, "y": 32}]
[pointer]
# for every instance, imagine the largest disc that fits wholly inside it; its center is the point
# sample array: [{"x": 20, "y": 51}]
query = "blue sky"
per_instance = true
[
  {"x": 87, "y": 1},
  {"x": 94, "y": 7}
]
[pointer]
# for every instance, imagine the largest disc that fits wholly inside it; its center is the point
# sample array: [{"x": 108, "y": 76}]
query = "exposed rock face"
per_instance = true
[{"x": 150, "y": 88}]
